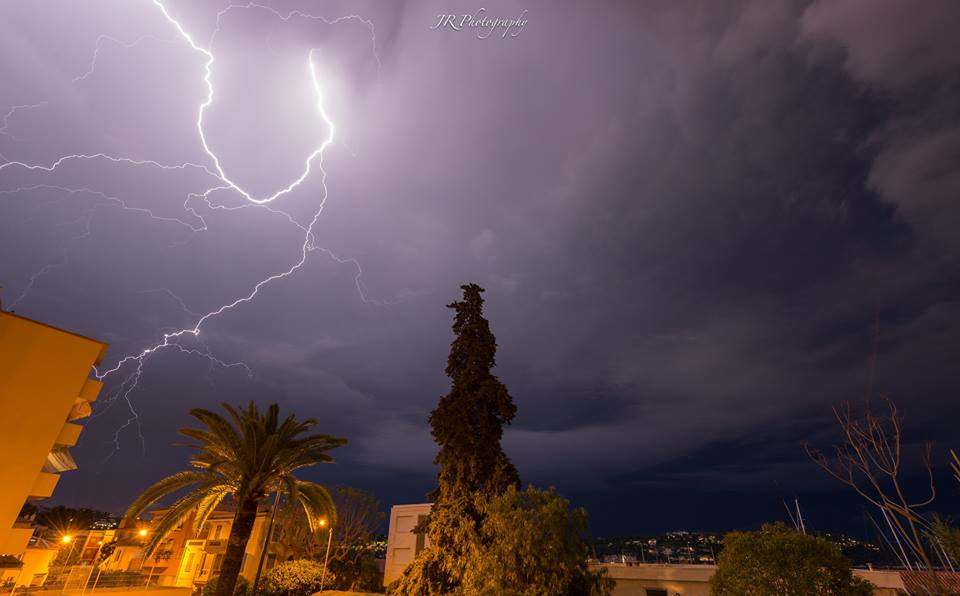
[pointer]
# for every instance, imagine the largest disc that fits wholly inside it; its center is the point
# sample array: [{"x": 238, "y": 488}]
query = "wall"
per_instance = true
[
  {"x": 43, "y": 372},
  {"x": 694, "y": 580},
  {"x": 401, "y": 541}
]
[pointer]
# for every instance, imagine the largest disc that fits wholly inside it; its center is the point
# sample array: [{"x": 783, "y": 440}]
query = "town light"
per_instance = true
[
  {"x": 323, "y": 523},
  {"x": 143, "y": 532},
  {"x": 66, "y": 539}
]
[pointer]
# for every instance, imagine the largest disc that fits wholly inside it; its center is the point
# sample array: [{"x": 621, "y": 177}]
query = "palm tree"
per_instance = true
[{"x": 246, "y": 457}]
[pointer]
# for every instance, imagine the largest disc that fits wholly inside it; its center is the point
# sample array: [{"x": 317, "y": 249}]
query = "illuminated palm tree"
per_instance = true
[{"x": 246, "y": 457}]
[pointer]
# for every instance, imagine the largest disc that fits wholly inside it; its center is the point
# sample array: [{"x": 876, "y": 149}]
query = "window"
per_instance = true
[
  {"x": 271, "y": 560},
  {"x": 656, "y": 591},
  {"x": 190, "y": 559},
  {"x": 216, "y": 532}
]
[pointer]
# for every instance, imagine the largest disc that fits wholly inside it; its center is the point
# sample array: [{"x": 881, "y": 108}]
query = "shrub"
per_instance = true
[
  {"x": 783, "y": 561},
  {"x": 531, "y": 543},
  {"x": 296, "y": 578},
  {"x": 241, "y": 589}
]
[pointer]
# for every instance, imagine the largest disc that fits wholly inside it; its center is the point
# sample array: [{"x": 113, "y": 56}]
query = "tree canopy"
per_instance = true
[
  {"x": 467, "y": 424},
  {"x": 245, "y": 456},
  {"x": 531, "y": 544},
  {"x": 783, "y": 561}
]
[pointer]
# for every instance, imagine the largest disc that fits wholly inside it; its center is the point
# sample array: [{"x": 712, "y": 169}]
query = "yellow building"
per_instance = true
[
  {"x": 45, "y": 386},
  {"x": 187, "y": 558}
]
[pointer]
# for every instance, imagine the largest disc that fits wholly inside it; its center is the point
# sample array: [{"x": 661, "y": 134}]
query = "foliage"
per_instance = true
[
  {"x": 783, "y": 561},
  {"x": 106, "y": 550},
  {"x": 295, "y": 578},
  {"x": 531, "y": 543},
  {"x": 240, "y": 589},
  {"x": 66, "y": 520},
  {"x": 947, "y": 537},
  {"x": 467, "y": 425},
  {"x": 244, "y": 456}
]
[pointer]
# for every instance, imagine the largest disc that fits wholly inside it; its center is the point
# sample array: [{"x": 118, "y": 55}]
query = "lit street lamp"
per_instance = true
[
  {"x": 326, "y": 557},
  {"x": 67, "y": 539}
]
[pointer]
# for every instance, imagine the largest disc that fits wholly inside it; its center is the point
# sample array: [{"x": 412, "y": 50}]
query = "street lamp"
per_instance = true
[
  {"x": 143, "y": 553},
  {"x": 326, "y": 557},
  {"x": 67, "y": 539}
]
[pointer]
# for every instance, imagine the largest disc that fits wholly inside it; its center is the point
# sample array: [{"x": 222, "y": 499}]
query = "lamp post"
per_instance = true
[
  {"x": 326, "y": 557},
  {"x": 143, "y": 552},
  {"x": 67, "y": 539}
]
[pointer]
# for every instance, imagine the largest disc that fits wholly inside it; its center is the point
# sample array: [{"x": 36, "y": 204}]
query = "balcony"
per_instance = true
[
  {"x": 69, "y": 434},
  {"x": 43, "y": 486},
  {"x": 90, "y": 390},
  {"x": 59, "y": 460}
]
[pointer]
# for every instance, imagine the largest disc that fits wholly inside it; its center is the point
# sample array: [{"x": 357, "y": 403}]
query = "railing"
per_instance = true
[{"x": 85, "y": 579}]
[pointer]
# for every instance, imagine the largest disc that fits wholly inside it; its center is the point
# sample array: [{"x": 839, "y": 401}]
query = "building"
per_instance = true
[
  {"x": 403, "y": 544},
  {"x": 45, "y": 387},
  {"x": 187, "y": 558},
  {"x": 694, "y": 580}
]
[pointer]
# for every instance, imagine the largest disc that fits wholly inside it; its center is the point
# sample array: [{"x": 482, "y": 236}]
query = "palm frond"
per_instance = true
[
  {"x": 178, "y": 512},
  {"x": 316, "y": 503},
  {"x": 161, "y": 489}
]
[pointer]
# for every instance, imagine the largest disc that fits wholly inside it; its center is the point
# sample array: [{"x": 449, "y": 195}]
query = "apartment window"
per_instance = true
[
  {"x": 217, "y": 561},
  {"x": 656, "y": 591},
  {"x": 271, "y": 560},
  {"x": 216, "y": 532},
  {"x": 190, "y": 559}
]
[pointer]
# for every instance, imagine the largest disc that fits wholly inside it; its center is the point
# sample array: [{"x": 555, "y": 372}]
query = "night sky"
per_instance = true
[{"x": 699, "y": 224}]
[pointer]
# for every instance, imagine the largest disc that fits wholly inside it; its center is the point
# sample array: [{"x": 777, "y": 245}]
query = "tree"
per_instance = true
[
  {"x": 531, "y": 544},
  {"x": 467, "y": 425},
  {"x": 244, "y": 457},
  {"x": 351, "y": 556},
  {"x": 783, "y": 561},
  {"x": 947, "y": 538},
  {"x": 870, "y": 461}
]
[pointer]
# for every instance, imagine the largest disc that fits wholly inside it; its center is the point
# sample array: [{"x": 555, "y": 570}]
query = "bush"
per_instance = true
[
  {"x": 241, "y": 589},
  {"x": 296, "y": 578},
  {"x": 780, "y": 560}
]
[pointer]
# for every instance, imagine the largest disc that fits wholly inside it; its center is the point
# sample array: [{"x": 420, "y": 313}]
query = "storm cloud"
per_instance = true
[{"x": 699, "y": 225}]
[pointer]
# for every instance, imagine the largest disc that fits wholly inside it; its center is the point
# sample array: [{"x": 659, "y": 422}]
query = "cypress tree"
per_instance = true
[{"x": 467, "y": 424}]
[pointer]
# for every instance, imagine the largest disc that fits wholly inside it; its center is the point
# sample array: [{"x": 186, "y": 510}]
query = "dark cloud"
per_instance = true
[{"x": 691, "y": 220}]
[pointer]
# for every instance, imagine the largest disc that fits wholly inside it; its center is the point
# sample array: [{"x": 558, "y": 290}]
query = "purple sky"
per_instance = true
[{"x": 690, "y": 218}]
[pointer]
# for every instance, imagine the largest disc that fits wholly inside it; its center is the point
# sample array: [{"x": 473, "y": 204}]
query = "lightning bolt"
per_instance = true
[{"x": 173, "y": 339}]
